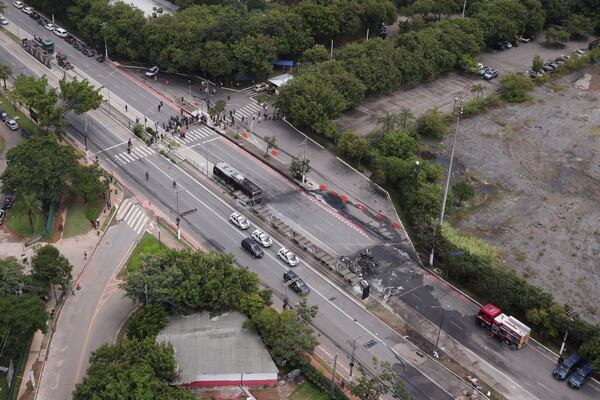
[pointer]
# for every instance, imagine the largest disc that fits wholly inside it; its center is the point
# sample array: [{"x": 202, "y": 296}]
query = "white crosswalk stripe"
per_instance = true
[
  {"x": 248, "y": 111},
  {"x": 137, "y": 153},
  {"x": 195, "y": 133},
  {"x": 136, "y": 218}
]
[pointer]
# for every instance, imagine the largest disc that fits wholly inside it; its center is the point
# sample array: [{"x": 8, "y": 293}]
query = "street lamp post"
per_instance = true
[
  {"x": 457, "y": 112},
  {"x": 464, "y": 8},
  {"x": 435, "y": 348}
]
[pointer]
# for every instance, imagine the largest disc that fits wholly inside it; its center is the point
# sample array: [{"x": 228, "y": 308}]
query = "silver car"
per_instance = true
[
  {"x": 262, "y": 238},
  {"x": 12, "y": 124}
]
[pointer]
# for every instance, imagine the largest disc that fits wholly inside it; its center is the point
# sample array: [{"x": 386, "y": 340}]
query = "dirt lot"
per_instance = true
[{"x": 541, "y": 163}]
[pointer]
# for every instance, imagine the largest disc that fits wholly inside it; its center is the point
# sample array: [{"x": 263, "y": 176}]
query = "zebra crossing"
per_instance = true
[
  {"x": 134, "y": 216},
  {"x": 248, "y": 111},
  {"x": 198, "y": 132},
  {"x": 137, "y": 153}
]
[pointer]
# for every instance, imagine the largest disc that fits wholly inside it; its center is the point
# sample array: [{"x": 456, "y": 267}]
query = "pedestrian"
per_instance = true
[
  {"x": 85, "y": 254},
  {"x": 125, "y": 107},
  {"x": 342, "y": 383},
  {"x": 159, "y": 108},
  {"x": 161, "y": 103}
]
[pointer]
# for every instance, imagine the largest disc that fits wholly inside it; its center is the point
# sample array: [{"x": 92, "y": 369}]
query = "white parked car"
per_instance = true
[
  {"x": 50, "y": 26},
  {"x": 239, "y": 220},
  {"x": 60, "y": 32},
  {"x": 27, "y": 10},
  {"x": 12, "y": 124},
  {"x": 262, "y": 238},
  {"x": 18, "y": 4},
  {"x": 152, "y": 72},
  {"x": 3, "y": 20},
  {"x": 289, "y": 257}
]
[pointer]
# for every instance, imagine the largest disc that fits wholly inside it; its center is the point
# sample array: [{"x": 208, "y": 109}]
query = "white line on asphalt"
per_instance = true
[
  {"x": 134, "y": 217},
  {"x": 418, "y": 298},
  {"x": 141, "y": 224},
  {"x": 129, "y": 212},
  {"x": 540, "y": 383},
  {"x": 122, "y": 208},
  {"x": 496, "y": 353},
  {"x": 456, "y": 325},
  {"x": 112, "y": 147}
]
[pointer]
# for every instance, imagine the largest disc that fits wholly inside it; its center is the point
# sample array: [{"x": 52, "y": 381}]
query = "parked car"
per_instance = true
[
  {"x": 567, "y": 366},
  {"x": 70, "y": 38},
  {"x": 50, "y": 26},
  {"x": 534, "y": 74},
  {"x": 523, "y": 39},
  {"x": 289, "y": 257},
  {"x": 12, "y": 124},
  {"x": 34, "y": 15},
  {"x": 88, "y": 52},
  {"x": 78, "y": 45},
  {"x": 42, "y": 21},
  {"x": 583, "y": 374},
  {"x": 490, "y": 74},
  {"x": 295, "y": 282},
  {"x": 9, "y": 200},
  {"x": 4, "y": 115},
  {"x": 27, "y": 10},
  {"x": 3, "y": 20},
  {"x": 252, "y": 247},
  {"x": 152, "y": 72},
  {"x": 2, "y": 215},
  {"x": 262, "y": 238},
  {"x": 549, "y": 67},
  {"x": 60, "y": 32},
  {"x": 239, "y": 220},
  {"x": 261, "y": 87},
  {"x": 18, "y": 4},
  {"x": 483, "y": 70}
]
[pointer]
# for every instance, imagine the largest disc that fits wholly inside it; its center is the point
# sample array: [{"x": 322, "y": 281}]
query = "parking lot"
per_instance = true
[{"x": 441, "y": 92}]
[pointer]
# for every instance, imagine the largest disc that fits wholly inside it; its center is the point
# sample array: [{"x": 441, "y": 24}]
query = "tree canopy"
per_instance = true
[{"x": 51, "y": 267}]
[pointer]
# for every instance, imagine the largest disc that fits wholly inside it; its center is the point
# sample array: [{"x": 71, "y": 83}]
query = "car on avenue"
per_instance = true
[
  {"x": 252, "y": 247},
  {"x": 261, "y": 87},
  {"x": 262, "y": 238},
  {"x": 4, "y": 115},
  {"x": 50, "y": 26},
  {"x": 239, "y": 220},
  {"x": 152, "y": 72},
  {"x": 12, "y": 124},
  {"x": 18, "y": 4},
  {"x": 60, "y": 32},
  {"x": 490, "y": 74},
  {"x": 27, "y": 10},
  {"x": 289, "y": 257},
  {"x": 291, "y": 279},
  {"x": 3, "y": 20},
  {"x": 88, "y": 52}
]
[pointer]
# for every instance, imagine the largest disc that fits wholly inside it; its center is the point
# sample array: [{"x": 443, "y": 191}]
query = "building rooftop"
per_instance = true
[
  {"x": 218, "y": 345},
  {"x": 281, "y": 80}
]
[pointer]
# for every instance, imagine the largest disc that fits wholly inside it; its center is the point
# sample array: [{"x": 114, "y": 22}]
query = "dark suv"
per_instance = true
[
  {"x": 252, "y": 247},
  {"x": 292, "y": 279}
]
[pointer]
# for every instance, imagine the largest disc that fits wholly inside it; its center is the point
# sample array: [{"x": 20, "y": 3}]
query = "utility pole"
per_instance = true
[
  {"x": 146, "y": 293},
  {"x": 331, "y": 51},
  {"x": 331, "y": 397},
  {"x": 304, "y": 161},
  {"x": 178, "y": 218},
  {"x": 352, "y": 358},
  {"x": 367, "y": 34},
  {"x": 457, "y": 112},
  {"x": 439, "y": 333},
  {"x": 570, "y": 319},
  {"x": 158, "y": 227},
  {"x": 464, "y": 7}
]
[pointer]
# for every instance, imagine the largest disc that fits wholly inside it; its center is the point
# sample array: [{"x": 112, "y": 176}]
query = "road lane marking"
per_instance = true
[
  {"x": 456, "y": 325},
  {"x": 542, "y": 385},
  {"x": 112, "y": 147}
]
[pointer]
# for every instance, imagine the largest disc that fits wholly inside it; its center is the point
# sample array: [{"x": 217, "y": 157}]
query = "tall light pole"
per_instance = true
[
  {"x": 464, "y": 8},
  {"x": 435, "y": 348},
  {"x": 457, "y": 112},
  {"x": 178, "y": 217}
]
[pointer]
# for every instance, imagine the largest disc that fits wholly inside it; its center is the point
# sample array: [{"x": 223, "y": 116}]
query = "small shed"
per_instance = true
[{"x": 280, "y": 80}]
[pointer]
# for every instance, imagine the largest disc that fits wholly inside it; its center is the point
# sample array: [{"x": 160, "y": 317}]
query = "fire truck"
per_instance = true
[{"x": 509, "y": 329}]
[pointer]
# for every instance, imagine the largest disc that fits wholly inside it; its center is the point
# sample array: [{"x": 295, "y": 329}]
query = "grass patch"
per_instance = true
[
  {"x": 113, "y": 210},
  {"x": 148, "y": 246},
  {"x": 17, "y": 221},
  {"x": 77, "y": 223},
  {"x": 308, "y": 391},
  {"x": 1, "y": 145},
  {"x": 14, "y": 37},
  {"x": 3, "y": 389},
  {"x": 24, "y": 121}
]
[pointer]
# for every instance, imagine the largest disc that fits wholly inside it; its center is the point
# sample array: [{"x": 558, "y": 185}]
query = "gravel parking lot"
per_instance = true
[
  {"x": 538, "y": 170},
  {"x": 441, "y": 92}
]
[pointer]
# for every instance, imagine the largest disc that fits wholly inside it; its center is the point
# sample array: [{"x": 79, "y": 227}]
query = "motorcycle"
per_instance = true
[{"x": 101, "y": 58}]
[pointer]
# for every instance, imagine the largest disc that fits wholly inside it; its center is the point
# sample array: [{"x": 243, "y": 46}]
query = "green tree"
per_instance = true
[
  {"x": 501, "y": 19},
  {"x": 557, "y": 35},
  {"x": 12, "y": 277},
  {"x": 478, "y": 89},
  {"x": 385, "y": 380},
  {"x": 271, "y": 143},
  {"x": 399, "y": 144},
  {"x": 90, "y": 181},
  {"x": 432, "y": 124},
  {"x": 537, "y": 64},
  {"x": 5, "y": 70},
  {"x": 316, "y": 54},
  {"x": 146, "y": 321},
  {"x": 36, "y": 94},
  {"x": 353, "y": 147},
  {"x": 318, "y": 19},
  {"x": 189, "y": 281},
  {"x": 591, "y": 348},
  {"x": 579, "y": 26},
  {"x": 299, "y": 167},
  {"x": 406, "y": 118},
  {"x": 557, "y": 11},
  {"x": 217, "y": 108},
  {"x": 288, "y": 335},
  {"x": 21, "y": 316},
  {"x": 514, "y": 88},
  {"x": 51, "y": 267},
  {"x": 346, "y": 83},
  {"x": 388, "y": 121},
  {"x": 31, "y": 203},
  {"x": 39, "y": 165},
  {"x": 254, "y": 55},
  {"x": 536, "y": 16},
  {"x": 141, "y": 368},
  {"x": 217, "y": 61},
  {"x": 79, "y": 96}
]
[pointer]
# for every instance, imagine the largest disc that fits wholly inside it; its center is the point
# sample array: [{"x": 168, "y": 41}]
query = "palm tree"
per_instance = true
[
  {"x": 405, "y": 117},
  {"x": 271, "y": 140},
  {"x": 5, "y": 72},
  {"x": 31, "y": 203},
  {"x": 477, "y": 88},
  {"x": 388, "y": 121}
]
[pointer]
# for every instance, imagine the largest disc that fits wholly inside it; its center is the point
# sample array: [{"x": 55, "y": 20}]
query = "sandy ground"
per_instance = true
[{"x": 541, "y": 202}]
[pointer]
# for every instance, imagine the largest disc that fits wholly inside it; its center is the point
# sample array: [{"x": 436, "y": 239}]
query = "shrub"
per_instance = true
[
  {"x": 475, "y": 106},
  {"x": 138, "y": 130},
  {"x": 514, "y": 87},
  {"x": 463, "y": 191},
  {"x": 146, "y": 321},
  {"x": 151, "y": 131},
  {"x": 433, "y": 123}
]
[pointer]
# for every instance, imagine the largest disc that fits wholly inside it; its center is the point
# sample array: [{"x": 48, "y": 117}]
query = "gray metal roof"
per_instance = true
[{"x": 218, "y": 345}]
